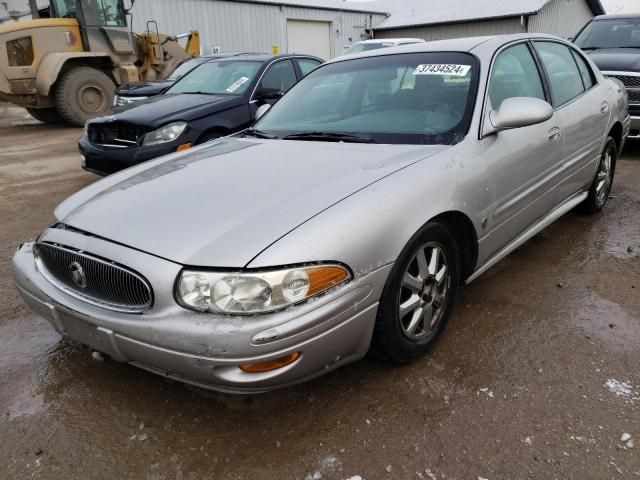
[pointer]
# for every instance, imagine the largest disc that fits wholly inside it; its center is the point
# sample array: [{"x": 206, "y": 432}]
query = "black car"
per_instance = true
[
  {"x": 215, "y": 99},
  {"x": 134, "y": 92},
  {"x": 613, "y": 43}
]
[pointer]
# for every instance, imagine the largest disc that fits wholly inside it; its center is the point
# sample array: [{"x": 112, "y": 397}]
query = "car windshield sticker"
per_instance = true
[
  {"x": 235, "y": 85},
  {"x": 442, "y": 69}
]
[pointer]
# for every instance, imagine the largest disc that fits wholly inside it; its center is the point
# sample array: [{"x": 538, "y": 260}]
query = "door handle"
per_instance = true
[
  {"x": 604, "y": 107},
  {"x": 554, "y": 135}
]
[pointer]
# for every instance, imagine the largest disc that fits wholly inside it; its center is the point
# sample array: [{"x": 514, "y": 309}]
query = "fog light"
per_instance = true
[
  {"x": 84, "y": 161},
  {"x": 270, "y": 364}
]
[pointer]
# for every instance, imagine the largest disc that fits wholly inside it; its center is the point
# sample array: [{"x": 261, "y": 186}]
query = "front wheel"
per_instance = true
[
  {"x": 601, "y": 186},
  {"x": 419, "y": 295},
  {"x": 83, "y": 93}
]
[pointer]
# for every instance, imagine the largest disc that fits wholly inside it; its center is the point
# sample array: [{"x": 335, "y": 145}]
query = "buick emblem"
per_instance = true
[{"x": 77, "y": 274}]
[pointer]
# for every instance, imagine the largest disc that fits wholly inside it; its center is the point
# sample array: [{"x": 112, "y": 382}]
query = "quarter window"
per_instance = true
[
  {"x": 565, "y": 78},
  {"x": 585, "y": 71},
  {"x": 514, "y": 74},
  {"x": 306, "y": 65}
]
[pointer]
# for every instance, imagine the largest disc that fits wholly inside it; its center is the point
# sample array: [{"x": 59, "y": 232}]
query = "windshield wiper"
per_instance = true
[
  {"x": 198, "y": 93},
  {"x": 329, "y": 137},
  {"x": 258, "y": 134}
]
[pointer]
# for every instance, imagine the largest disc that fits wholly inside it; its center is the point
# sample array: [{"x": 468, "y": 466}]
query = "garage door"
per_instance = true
[{"x": 313, "y": 38}]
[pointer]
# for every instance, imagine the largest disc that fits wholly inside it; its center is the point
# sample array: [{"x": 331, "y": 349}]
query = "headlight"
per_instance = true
[
  {"x": 165, "y": 134},
  {"x": 246, "y": 293}
]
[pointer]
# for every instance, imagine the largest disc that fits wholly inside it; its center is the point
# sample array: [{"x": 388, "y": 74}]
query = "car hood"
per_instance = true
[
  {"x": 143, "y": 88},
  {"x": 617, "y": 59},
  {"x": 161, "y": 109},
  {"x": 222, "y": 204}
]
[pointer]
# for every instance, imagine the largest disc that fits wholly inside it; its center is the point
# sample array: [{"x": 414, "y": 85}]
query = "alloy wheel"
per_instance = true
[
  {"x": 424, "y": 291},
  {"x": 603, "y": 179}
]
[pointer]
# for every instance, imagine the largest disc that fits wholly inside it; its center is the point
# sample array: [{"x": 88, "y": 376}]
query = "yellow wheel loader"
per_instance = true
[{"x": 66, "y": 68}]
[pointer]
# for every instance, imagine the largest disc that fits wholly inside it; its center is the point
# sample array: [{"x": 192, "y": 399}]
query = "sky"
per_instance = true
[{"x": 621, "y": 6}]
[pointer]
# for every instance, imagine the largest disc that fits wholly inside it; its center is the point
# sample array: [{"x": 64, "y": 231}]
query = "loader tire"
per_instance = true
[
  {"x": 46, "y": 115},
  {"x": 83, "y": 93}
]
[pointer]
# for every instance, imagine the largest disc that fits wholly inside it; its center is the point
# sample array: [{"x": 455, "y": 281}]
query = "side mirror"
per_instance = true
[
  {"x": 262, "y": 109},
  {"x": 520, "y": 112},
  {"x": 265, "y": 93}
]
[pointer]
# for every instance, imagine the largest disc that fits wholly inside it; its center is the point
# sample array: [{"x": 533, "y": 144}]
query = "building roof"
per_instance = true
[
  {"x": 408, "y": 13},
  {"x": 364, "y": 7}
]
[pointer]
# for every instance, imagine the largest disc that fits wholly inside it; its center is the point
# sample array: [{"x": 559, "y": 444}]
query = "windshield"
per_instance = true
[
  {"x": 617, "y": 33},
  {"x": 222, "y": 77},
  {"x": 185, "y": 68},
  {"x": 365, "y": 47},
  {"x": 417, "y": 98},
  {"x": 103, "y": 12}
]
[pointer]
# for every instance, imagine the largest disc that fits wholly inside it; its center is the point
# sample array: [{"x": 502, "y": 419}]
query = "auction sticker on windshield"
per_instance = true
[
  {"x": 235, "y": 85},
  {"x": 442, "y": 69}
]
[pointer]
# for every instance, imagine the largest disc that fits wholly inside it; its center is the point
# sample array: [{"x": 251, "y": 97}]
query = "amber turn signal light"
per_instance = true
[
  {"x": 270, "y": 364},
  {"x": 324, "y": 277},
  {"x": 184, "y": 146}
]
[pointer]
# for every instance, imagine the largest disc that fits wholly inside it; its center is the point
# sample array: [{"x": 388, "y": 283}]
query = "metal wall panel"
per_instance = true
[
  {"x": 561, "y": 17},
  {"x": 236, "y": 26},
  {"x": 456, "y": 30}
]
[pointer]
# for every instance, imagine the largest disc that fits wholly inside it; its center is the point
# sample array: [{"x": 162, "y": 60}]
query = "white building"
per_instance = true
[
  {"x": 328, "y": 27},
  {"x": 438, "y": 19}
]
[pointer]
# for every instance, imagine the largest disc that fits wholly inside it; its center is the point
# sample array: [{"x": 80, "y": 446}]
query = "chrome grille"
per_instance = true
[
  {"x": 93, "y": 279},
  {"x": 628, "y": 81},
  {"x": 631, "y": 83},
  {"x": 114, "y": 135}
]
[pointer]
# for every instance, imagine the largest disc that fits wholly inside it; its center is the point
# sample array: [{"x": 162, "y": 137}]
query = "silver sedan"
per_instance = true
[{"x": 343, "y": 223}]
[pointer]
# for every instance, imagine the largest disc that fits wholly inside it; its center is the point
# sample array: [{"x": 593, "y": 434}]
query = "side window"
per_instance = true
[
  {"x": 307, "y": 65},
  {"x": 280, "y": 76},
  {"x": 565, "y": 78},
  {"x": 588, "y": 79},
  {"x": 514, "y": 74}
]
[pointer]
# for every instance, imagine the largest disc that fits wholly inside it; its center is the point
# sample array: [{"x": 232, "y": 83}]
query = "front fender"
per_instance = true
[
  {"x": 51, "y": 66},
  {"x": 369, "y": 229}
]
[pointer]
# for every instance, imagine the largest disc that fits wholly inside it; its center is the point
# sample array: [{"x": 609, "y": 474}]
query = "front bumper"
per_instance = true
[
  {"x": 634, "y": 132},
  {"x": 105, "y": 161},
  {"x": 206, "y": 349}
]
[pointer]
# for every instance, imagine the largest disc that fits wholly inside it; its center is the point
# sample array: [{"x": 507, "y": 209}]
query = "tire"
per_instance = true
[
  {"x": 83, "y": 93},
  {"x": 602, "y": 182},
  {"x": 46, "y": 115},
  {"x": 393, "y": 340}
]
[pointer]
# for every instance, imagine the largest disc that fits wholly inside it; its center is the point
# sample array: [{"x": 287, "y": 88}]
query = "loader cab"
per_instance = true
[{"x": 103, "y": 25}]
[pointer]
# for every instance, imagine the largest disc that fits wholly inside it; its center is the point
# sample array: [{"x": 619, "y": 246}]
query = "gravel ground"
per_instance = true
[{"x": 536, "y": 376}]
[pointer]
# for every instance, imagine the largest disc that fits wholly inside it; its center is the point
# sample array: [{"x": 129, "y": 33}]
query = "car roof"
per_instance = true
[
  {"x": 392, "y": 40},
  {"x": 263, "y": 57},
  {"x": 466, "y": 44},
  {"x": 619, "y": 16}
]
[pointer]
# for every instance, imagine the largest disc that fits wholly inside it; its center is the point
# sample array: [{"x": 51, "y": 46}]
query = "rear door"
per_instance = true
[
  {"x": 580, "y": 103},
  {"x": 522, "y": 161}
]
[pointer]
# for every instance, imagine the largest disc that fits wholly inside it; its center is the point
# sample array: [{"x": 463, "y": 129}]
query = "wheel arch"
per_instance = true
[
  {"x": 466, "y": 236},
  {"x": 616, "y": 134},
  {"x": 223, "y": 131},
  {"x": 54, "y": 65}
]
